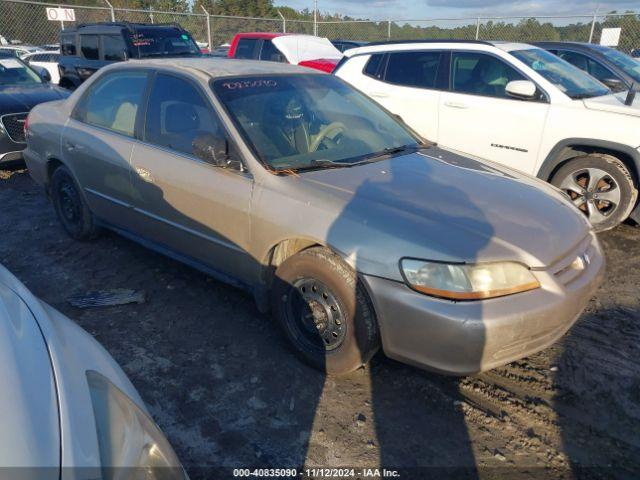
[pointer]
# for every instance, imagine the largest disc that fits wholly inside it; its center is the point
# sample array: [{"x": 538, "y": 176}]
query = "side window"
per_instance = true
[
  {"x": 68, "y": 45},
  {"x": 178, "y": 114},
  {"x": 89, "y": 46},
  {"x": 270, "y": 53},
  {"x": 113, "y": 48},
  {"x": 576, "y": 59},
  {"x": 481, "y": 74},
  {"x": 413, "y": 69},
  {"x": 596, "y": 69},
  {"x": 372, "y": 68},
  {"x": 246, "y": 48},
  {"x": 113, "y": 102}
]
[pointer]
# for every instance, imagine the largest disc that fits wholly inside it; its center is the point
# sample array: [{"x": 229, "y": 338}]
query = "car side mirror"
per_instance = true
[
  {"x": 214, "y": 149},
  {"x": 522, "y": 89},
  {"x": 615, "y": 84},
  {"x": 43, "y": 73}
]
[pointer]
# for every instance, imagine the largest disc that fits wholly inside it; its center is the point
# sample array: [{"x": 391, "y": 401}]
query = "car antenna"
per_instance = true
[{"x": 631, "y": 95}]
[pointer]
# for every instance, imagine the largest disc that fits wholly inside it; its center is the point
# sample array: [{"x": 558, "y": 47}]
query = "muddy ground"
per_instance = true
[{"x": 221, "y": 382}]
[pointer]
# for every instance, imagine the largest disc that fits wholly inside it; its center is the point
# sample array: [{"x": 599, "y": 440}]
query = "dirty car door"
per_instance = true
[
  {"x": 97, "y": 143},
  {"x": 197, "y": 210}
]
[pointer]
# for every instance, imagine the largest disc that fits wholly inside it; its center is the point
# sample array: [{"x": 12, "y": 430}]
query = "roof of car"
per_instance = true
[
  {"x": 379, "y": 46},
  {"x": 223, "y": 67},
  {"x": 111, "y": 26}
]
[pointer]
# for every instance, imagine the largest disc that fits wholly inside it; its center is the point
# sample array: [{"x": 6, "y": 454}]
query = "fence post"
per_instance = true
[
  {"x": 315, "y": 17},
  {"x": 284, "y": 21},
  {"x": 389, "y": 29},
  {"x": 593, "y": 24},
  {"x": 478, "y": 28},
  {"x": 208, "y": 28},
  {"x": 151, "y": 16},
  {"x": 113, "y": 13}
]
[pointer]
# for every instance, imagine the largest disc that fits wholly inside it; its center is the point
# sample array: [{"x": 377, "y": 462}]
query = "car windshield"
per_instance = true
[
  {"x": 14, "y": 72},
  {"x": 161, "y": 41},
  {"x": 624, "y": 62},
  {"x": 574, "y": 82},
  {"x": 299, "y": 122}
]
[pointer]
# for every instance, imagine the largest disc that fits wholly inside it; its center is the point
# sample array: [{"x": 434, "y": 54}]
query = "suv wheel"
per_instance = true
[
  {"x": 325, "y": 311},
  {"x": 600, "y": 186},
  {"x": 71, "y": 208}
]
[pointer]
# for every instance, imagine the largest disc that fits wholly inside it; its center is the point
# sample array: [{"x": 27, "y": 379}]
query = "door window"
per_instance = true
[
  {"x": 89, "y": 46},
  {"x": 114, "y": 101},
  {"x": 246, "y": 48},
  {"x": 481, "y": 74},
  {"x": 372, "y": 68},
  {"x": 114, "y": 48},
  {"x": 270, "y": 52},
  {"x": 413, "y": 69},
  {"x": 178, "y": 114},
  {"x": 585, "y": 63},
  {"x": 68, "y": 45}
]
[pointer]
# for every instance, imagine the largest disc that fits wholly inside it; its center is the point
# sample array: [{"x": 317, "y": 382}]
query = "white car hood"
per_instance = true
[
  {"x": 615, "y": 104},
  {"x": 30, "y": 435},
  {"x": 301, "y": 48}
]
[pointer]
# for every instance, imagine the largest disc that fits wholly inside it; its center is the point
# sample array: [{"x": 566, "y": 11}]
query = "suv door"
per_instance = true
[
  {"x": 194, "y": 208},
  {"x": 97, "y": 143},
  {"x": 478, "y": 117},
  {"x": 409, "y": 84},
  {"x": 89, "y": 60}
]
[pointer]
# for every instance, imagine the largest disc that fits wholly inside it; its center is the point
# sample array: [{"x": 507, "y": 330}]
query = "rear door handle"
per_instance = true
[
  {"x": 456, "y": 105},
  {"x": 144, "y": 174}
]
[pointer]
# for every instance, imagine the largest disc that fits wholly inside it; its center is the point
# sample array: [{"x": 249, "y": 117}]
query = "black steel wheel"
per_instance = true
[{"x": 71, "y": 208}]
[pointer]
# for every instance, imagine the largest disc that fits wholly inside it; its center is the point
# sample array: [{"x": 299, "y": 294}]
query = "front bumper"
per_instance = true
[{"x": 461, "y": 338}]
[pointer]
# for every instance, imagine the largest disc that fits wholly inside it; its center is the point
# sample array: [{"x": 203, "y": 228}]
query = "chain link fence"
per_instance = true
[{"x": 25, "y": 21}]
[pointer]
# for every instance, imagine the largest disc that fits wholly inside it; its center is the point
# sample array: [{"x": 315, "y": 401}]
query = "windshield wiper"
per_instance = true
[{"x": 392, "y": 151}]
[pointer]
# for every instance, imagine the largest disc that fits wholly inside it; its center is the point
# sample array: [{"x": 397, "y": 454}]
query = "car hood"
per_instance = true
[
  {"x": 23, "y": 99},
  {"x": 615, "y": 104},
  {"x": 437, "y": 205},
  {"x": 30, "y": 435}
]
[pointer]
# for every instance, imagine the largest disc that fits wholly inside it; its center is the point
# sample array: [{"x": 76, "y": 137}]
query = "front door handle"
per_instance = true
[
  {"x": 144, "y": 174},
  {"x": 456, "y": 105}
]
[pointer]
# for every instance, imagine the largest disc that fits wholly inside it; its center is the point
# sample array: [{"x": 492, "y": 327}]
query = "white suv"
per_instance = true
[{"x": 517, "y": 105}]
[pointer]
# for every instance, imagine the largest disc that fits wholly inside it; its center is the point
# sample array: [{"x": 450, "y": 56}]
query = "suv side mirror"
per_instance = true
[
  {"x": 43, "y": 73},
  {"x": 214, "y": 149},
  {"x": 522, "y": 89},
  {"x": 615, "y": 84}
]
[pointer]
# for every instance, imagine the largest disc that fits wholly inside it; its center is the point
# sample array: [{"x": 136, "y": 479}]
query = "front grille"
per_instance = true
[{"x": 14, "y": 126}]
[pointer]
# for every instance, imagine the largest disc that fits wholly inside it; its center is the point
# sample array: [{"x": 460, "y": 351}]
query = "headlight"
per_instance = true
[
  {"x": 128, "y": 438},
  {"x": 467, "y": 281}
]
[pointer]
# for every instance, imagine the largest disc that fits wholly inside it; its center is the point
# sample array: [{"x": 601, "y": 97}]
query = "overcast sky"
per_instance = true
[{"x": 423, "y": 9}]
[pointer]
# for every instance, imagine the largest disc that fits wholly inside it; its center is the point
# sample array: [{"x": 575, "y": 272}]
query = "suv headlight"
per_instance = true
[
  {"x": 128, "y": 438},
  {"x": 467, "y": 281}
]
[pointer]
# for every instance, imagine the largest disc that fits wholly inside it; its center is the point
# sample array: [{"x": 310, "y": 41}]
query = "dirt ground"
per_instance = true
[{"x": 221, "y": 382}]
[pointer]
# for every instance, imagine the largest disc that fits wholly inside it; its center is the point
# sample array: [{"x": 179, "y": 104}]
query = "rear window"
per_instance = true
[
  {"x": 89, "y": 46},
  {"x": 246, "y": 48},
  {"x": 68, "y": 45},
  {"x": 373, "y": 65},
  {"x": 163, "y": 42}
]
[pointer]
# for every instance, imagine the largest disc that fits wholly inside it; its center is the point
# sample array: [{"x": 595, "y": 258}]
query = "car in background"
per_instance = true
[
  {"x": 65, "y": 404},
  {"x": 304, "y": 50},
  {"x": 517, "y": 105},
  {"x": 615, "y": 69},
  {"x": 19, "y": 50},
  {"x": 51, "y": 47},
  {"x": 221, "y": 51},
  {"x": 21, "y": 88},
  {"x": 635, "y": 53},
  {"x": 343, "y": 45},
  {"x": 89, "y": 47},
  {"x": 48, "y": 60},
  {"x": 293, "y": 184}
]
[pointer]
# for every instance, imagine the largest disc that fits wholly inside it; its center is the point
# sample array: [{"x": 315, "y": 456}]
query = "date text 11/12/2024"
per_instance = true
[{"x": 320, "y": 473}]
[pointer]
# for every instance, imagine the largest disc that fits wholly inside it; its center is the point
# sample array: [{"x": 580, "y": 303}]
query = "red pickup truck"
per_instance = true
[{"x": 304, "y": 50}]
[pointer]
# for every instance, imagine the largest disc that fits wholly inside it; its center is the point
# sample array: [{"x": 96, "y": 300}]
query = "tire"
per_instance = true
[
  {"x": 70, "y": 206},
  {"x": 324, "y": 311},
  {"x": 601, "y": 186}
]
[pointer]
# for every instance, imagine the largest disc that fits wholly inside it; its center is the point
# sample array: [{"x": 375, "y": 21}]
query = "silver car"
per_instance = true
[
  {"x": 351, "y": 229},
  {"x": 67, "y": 410}
]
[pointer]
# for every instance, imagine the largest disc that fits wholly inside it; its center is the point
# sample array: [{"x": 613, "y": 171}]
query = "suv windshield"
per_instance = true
[
  {"x": 624, "y": 62},
  {"x": 163, "y": 41},
  {"x": 298, "y": 122},
  {"x": 574, "y": 82},
  {"x": 14, "y": 72}
]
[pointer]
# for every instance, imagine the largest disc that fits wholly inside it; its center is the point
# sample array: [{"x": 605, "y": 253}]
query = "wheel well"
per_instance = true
[
  {"x": 52, "y": 165},
  {"x": 572, "y": 151}
]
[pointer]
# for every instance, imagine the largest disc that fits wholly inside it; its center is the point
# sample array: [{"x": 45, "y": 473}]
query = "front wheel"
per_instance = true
[
  {"x": 324, "y": 311},
  {"x": 600, "y": 186}
]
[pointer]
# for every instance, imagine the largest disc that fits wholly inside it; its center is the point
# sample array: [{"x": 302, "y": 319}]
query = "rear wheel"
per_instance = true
[
  {"x": 600, "y": 186},
  {"x": 71, "y": 208},
  {"x": 325, "y": 311}
]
